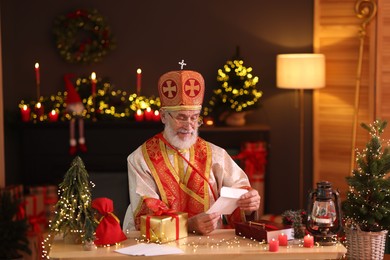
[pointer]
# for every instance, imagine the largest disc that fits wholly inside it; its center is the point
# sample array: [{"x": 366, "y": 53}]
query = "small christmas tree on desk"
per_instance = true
[
  {"x": 74, "y": 216},
  {"x": 367, "y": 207}
]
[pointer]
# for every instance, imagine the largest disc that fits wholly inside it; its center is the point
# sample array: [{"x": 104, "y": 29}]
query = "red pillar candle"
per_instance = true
[
  {"x": 156, "y": 116},
  {"x": 282, "y": 239},
  {"x": 274, "y": 245},
  {"x": 53, "y": 116},
  {"x": 37, "y": 79},
  {"x": 308, "y": 241},
  {"x": 25, "y": 112},
  {"x": 93, "y": 84},
  {"x": 39, "y": 111},
  {"x": 139, "y": 115},
  {"x": 148, "y": 114},
  {"x": 139, "y": 76}
]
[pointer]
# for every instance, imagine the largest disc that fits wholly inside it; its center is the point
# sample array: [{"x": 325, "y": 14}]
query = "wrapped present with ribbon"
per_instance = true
[
  {"x": 253, "y": 157},
  {"x": 35, "y": 211},
  {"x": 108, "y": 231},
  {"x": 16, "y": 191},
  {"x": 163, "y": 225},
  {"x": 50, "y": 198},
  {"x": 263, "y": 230}
]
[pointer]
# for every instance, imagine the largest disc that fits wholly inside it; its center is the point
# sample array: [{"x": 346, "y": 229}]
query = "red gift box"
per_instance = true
[
  {"x": 50, "y": 198},
  {"x": 35, "y": 211},
  {"x": 16, "y": 191},
  {"x": 253, "y": 157}
]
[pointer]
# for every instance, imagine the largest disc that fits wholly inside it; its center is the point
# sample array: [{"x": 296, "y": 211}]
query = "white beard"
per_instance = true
[{"x": 174, "y": 140}]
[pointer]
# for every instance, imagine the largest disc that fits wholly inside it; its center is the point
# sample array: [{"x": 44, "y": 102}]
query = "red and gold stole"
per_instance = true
[{"x": 187, "y": 193}]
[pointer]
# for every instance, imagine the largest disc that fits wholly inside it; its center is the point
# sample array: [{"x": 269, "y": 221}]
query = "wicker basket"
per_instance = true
[{"x": 365, "y": 245}]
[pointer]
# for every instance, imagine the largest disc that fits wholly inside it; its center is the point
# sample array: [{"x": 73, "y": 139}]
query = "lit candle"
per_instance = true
[
  {"x": 25, "y": 112},
  {"x": 274, "y": 245},
  {"x": 139, "y": 76},
  {"x": 39, "y": 110},
  {"x": 37, "y": 79},
  {"x": 156, "y": 116},
  {"x": 139, "y": 115},
  {"x": 53, "y": 116},
  {"x": 148, "y": 114},
  {"x": 308, "y": 241},
  {"x": 282, "y": 239},
  {"x": 93, "y": 83}
]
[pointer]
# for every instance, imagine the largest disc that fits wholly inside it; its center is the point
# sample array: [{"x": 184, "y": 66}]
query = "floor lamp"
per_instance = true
[{"x": 300, "y": 71}]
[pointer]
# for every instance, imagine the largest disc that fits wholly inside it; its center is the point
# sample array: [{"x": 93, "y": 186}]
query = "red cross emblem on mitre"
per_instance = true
[{"x": 181, "y": 90}]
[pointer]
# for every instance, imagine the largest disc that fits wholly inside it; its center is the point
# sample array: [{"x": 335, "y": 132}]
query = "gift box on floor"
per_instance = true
[
  {"x": 263, "y": 230},
  {"x": 35, "y": 212},
  {"x": 16, "y": 191},
  {"x": 164, "y": 228},
  {"x": 50, "y": 198}
]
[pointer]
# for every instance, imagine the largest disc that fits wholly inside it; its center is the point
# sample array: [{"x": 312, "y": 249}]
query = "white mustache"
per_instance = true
[{"x": 182, "y": 131}]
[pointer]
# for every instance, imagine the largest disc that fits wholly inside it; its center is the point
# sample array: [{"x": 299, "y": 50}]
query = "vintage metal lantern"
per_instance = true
[{"x": 324, "y": 214}]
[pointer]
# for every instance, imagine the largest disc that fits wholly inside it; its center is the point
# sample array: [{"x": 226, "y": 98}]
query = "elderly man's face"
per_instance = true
[{"x": 181, "y": 127}]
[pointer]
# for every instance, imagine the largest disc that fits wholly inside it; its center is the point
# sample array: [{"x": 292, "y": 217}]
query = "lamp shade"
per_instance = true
[{"x": 300, "y": 71}]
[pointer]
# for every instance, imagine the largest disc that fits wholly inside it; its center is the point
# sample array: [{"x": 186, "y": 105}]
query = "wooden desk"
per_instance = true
[{"x": 221, "y": 244}]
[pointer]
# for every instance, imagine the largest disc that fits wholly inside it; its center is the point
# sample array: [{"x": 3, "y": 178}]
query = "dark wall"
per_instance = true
[{"x": 155, "y": 35}]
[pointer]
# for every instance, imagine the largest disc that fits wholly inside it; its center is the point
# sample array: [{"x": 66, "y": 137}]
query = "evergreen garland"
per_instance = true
[
  {"x": 109, "y": 103},
  {"x": 368, "y": 199}
]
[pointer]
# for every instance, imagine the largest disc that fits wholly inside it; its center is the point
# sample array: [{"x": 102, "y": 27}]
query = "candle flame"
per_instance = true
[
  {"x": 39, "y": 105},
  {"x": 93, "y": 76},
  {"x": 148, "y": 109},
  {"x": 139, "y": 112},
  {"x": 156, "y": 113},
  {"x": 24, "y": 107},
  {"x": 139, "y": 71},
  {"x": 37, "y": 65},
  {"x": 53, "y": 112}
]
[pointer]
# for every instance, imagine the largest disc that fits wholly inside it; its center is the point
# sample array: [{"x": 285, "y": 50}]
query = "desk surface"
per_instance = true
[{"x": 220, "y": 244}]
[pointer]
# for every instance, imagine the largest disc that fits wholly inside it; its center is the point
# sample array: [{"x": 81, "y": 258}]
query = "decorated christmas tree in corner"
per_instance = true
[
  {"x": 367, "y": 207},
  {"x": 237, "y": 90},
  {"x": 74, "y": 216}
]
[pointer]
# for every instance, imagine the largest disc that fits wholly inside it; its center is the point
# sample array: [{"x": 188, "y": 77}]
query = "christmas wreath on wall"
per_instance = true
[{"x": 83, "y": 36}]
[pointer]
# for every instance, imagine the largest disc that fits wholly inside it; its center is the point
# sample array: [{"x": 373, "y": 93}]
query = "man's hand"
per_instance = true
[
  {"x": 203, "y": 223},
  {"x": 249, "y": 201}
]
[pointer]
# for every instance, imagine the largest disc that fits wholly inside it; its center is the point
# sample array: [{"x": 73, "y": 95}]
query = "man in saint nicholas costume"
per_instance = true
[{"x": 180, "y": 169}]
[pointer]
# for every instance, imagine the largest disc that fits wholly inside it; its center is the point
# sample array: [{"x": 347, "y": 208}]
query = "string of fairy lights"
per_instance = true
[
  {"x": 108, "y": 104},
  {"x": 368, "y": 198}
]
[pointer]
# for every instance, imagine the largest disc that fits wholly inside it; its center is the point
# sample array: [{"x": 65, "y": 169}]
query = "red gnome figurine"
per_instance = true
[
  {"x": 75, "y": 108},
  {"x": 108, "y": 231}
]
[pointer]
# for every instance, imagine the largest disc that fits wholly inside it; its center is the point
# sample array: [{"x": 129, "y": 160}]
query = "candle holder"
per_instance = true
[{"x": 324, "y": 214}]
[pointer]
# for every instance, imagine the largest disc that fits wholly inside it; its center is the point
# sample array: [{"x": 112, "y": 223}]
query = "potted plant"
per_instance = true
[
  {"x": 367, "y": 206},
  {"x": 13, "y": 228}
]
